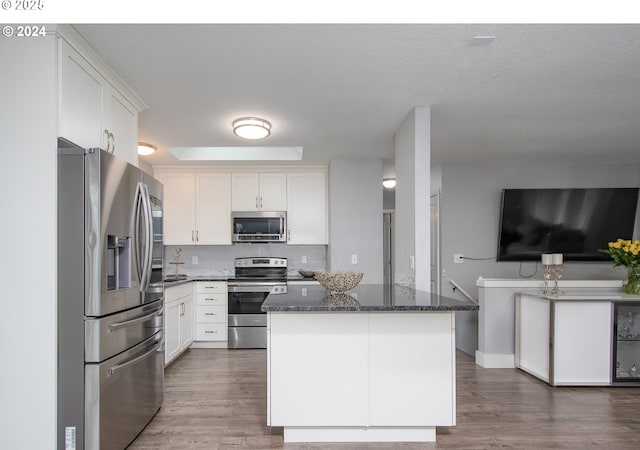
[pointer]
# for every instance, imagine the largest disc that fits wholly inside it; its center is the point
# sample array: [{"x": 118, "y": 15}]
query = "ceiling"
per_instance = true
[{"x": 535, "y": 93}]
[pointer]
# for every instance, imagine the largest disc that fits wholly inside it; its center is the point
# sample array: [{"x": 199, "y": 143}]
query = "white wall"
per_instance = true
[
  {"x": 412, "y": 227},
  {"x": 355, "y": 217},
  {"x": 28, "y": 203},
  {"x": 470, "y": 210}
]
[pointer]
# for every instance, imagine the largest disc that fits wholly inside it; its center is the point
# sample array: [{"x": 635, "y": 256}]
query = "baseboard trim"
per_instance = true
[{"x": 495, "y": 360}]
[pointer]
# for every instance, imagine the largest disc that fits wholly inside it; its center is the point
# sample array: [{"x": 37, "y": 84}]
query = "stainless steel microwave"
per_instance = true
[{"x": 259, "y": 226}]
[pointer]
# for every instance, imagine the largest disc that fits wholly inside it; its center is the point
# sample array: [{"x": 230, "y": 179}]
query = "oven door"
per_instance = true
[
  {"x": 241, "y": 303},
  {"x": 247, "y": 323}
]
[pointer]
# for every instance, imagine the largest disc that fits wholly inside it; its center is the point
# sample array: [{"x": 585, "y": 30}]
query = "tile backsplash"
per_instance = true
[{"x": 219, "y": 259}]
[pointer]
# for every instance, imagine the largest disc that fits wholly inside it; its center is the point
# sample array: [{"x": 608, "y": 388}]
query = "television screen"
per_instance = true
[{"x": 575, "y": 222}]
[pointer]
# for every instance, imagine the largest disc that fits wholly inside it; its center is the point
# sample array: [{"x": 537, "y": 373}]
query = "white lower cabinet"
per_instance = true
[
  {"x": 178, "y": 320},
  {"x": 374, "y": 371},
  {"x": 211, "y": 311},
  {"x": 564, "y": 342}
]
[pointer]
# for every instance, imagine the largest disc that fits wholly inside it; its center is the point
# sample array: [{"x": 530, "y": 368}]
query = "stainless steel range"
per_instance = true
[{"x": 254, "y": 279}]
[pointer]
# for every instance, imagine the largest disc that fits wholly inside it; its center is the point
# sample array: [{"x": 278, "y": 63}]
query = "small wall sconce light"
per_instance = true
[{"x": 389, "y": 183}]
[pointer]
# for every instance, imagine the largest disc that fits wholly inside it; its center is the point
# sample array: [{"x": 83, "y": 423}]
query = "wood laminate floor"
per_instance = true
[{"x": 216, "y": 399}]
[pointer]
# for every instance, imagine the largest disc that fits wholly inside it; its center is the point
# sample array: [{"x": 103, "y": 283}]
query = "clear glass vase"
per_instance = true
[{"x": 632, "y": 283}]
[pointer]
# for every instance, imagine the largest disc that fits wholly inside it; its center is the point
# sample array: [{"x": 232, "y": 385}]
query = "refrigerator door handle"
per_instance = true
[
  {"x": 127, "y": 323},
  {"x": 148, "y": 242},
  {"x": 117, "y": 367},
  {"x": 143, "y": 236},
  {"x": 136, "y": 234}
]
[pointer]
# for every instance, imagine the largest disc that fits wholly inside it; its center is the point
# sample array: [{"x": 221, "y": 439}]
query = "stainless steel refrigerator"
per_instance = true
[{"x": 110, "y": 299}]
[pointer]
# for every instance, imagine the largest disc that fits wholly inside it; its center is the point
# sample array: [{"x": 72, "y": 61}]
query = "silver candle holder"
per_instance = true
[
  {"x": 547, "y": 263},
  {"x": 552, "y": 263}
]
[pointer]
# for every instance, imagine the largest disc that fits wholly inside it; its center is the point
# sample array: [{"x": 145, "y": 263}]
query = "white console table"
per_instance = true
[
  {"x": 568, "y": 339},
  {"x": 496, "y": 316}
]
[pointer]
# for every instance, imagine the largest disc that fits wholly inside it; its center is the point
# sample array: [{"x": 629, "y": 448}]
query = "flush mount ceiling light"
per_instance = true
[
  {"x": 389, "y": 183},
  {"x": 251, "y": 128},
  {"x": 145, "y": 149}
]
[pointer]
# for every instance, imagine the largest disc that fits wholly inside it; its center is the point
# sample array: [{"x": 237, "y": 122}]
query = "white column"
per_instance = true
[{"x": 413, "y": 173}]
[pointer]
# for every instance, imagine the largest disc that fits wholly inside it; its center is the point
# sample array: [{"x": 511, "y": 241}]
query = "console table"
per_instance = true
[
  {"x": 573, "y": 339},
  {"x": 496, "y": 316}
]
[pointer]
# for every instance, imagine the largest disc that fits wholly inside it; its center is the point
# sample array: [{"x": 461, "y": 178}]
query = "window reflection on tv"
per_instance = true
[{"x": 575, "y": 222}]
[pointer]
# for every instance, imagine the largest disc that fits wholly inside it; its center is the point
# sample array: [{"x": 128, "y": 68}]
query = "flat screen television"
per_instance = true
[{"x": 575, "y": 222}]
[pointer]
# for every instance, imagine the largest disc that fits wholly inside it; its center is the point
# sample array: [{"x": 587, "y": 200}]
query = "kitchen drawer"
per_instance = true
[
  {"x": 176, "y": 292},
  {"x": 211, "y": 287},
  {"x": 211, "y": 299},
  {"x": 211, "y": 314},
  {"x": 211, "y": 332}
]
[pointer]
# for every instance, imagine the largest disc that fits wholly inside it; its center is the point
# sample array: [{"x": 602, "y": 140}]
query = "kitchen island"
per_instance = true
[{"x": 376, "y": 364}]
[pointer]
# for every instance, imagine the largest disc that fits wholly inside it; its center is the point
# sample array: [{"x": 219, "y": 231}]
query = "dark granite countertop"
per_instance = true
[
  {"x": 171, "y": 283},
  {"x": 365, "y": 297}
]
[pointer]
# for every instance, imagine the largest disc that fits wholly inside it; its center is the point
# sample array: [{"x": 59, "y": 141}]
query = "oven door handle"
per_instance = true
[{"x": 252, "y": 287}]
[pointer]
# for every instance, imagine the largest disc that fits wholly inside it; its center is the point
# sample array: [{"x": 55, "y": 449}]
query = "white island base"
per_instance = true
[{"x": 359, "y": 376}]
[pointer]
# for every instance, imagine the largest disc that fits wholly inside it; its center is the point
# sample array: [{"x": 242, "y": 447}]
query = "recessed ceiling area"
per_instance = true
[
  {"x": 534, "y": 93},
  {"x": 237, "y": 153}
]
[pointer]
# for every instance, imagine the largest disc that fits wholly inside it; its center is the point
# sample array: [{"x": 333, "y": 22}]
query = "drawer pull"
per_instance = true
[
  {"x": 210, "y": 332},
  {"x": 210, "y": 299},
  {"x": 210, "y": 314},
  {"x": 211, "y": 287}
]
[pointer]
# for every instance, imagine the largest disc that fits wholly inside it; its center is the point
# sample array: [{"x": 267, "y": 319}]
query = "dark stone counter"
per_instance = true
[{"x": 365, "y": 297}]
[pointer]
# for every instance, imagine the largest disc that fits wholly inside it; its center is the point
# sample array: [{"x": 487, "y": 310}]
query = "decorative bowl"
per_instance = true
[
  {"x": 339, "y": 281},
  {"x": 307, "y": 273}
]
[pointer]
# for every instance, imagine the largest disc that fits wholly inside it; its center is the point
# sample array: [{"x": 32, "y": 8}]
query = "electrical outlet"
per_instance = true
[
  {"x": 304, "y": 292},
  {"x": 458, "y": 258},
  {"x": 412, "y": 262},
  {"x": 354, "y": 259},
  {"x": 304, "y": 259},
  {"x": 194, "y": 260}
]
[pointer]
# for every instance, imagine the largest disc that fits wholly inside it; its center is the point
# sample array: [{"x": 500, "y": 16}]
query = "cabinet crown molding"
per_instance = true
[{"x": 75, "y": 40}]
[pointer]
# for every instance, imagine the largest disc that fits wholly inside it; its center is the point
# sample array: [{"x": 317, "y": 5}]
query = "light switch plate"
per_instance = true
[
  {"x": 354, "y": 259},
  {"x": 194, "y": 260}
]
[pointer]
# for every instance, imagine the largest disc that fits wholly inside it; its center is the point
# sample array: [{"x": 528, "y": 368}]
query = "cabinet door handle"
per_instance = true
[
  {"x": 288, "y": 234},
  {"x": 113, "y": 142},
  {"x": 193, "y": 233},
  {"x": 197, "y": 237},
  {"x": 257, "y": 202},
  {"x": 261, "y": 202}
]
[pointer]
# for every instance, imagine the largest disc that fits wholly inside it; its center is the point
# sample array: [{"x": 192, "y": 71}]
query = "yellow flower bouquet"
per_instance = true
[{"x": 625, "y": 252}]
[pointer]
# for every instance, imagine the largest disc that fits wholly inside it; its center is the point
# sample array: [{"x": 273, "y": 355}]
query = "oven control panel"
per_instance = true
[{"x": 261, "y": 262}]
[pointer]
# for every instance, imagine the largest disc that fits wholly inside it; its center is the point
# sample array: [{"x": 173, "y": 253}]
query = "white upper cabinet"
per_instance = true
[
  {"x": 121, "y": 126},
  {"x": 213, "y": 208},
  {"x": 81, "y": 97},
  {"x": 178, "y": 208},
  {"x": 196, "y": 208},
  {"x": 307, "y": 218},
  {"x": 259, "y": 191},
  {"x": 93, "y": 113}
]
